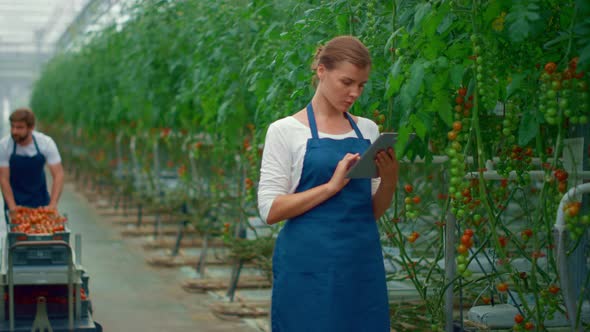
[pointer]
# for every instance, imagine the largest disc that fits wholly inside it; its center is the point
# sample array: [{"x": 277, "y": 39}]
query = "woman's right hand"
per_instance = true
[{"x": 339, "y": 179}]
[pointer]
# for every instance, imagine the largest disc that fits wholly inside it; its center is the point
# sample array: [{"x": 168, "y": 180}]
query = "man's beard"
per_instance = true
[{"x": 19, "y": 139}]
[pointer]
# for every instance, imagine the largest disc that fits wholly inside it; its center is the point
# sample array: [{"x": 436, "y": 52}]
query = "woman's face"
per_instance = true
[{"x": 342, "y": 85}]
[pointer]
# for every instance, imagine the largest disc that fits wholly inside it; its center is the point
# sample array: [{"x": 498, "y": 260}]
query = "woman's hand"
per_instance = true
[
  {"x": 387, "y": 166},
  {"x": 339, "y": 179}
]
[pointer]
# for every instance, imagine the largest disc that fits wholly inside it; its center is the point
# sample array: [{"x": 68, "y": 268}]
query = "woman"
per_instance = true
[{"x": 328, "y": 272}]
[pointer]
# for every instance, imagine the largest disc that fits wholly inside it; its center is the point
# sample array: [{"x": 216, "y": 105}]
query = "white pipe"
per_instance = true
[
  {"x": 440, "y": 159},
  {"x": 569, "y": 297},
  {"x": 538, "y": 175},
  {"x": 572, "y": 194}
]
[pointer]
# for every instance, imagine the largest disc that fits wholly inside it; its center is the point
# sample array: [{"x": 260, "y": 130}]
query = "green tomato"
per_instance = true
[
  {"x": 583, "y": 119},
  {"x": 460, "y": 213},
  {"x": 511, "y": 139},
  {"x": 461, "y": 259},
  {"x": 461, "y": 267},
  {"x": 451, "y": 152},
  {"x": 563, "y": 103},
  {"x": 467, "y": 273},
  {"x": 551, "y": 111}
]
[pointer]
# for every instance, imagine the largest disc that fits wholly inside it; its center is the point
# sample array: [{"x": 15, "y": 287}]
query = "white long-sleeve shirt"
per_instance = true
[{"x": 282, "y": 160}]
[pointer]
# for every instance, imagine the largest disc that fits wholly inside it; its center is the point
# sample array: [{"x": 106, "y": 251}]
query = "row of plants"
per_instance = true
[{"x": 483, "y": 84}]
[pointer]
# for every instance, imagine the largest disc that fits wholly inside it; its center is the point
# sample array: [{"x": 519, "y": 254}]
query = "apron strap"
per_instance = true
[
  {"x": 311, "y": 119},
  {"x": 314, "y": 128},
  {"x": 34, "y": 141},
  {"x": 354, "y": 126},
  {"x": 36, "y": 145}
]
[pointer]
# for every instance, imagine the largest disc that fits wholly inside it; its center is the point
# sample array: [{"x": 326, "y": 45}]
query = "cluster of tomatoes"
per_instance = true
[
  {"x": 484, "y": 72},
  {"x": 40, "y": 220},
  {"x": 463, "y": 253},
  {"x": 411, "y": 201},
  {"x": 576, "y": 224},
  {"x": 513, "y": 157},
  {"x": 564, "y": 93},
  {"x": 253, "y": 153},
  {"x": 458, "y": 135},
  {"x": 379, "y": 119}
]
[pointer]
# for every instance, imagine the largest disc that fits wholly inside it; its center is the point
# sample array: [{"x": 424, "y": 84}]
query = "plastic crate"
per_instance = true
[
  {"x": 25, "y": 304},
  {"x": 54, "y": 310},
  {"x": 40, "y": 255},
  {"x": 14, "y": 237}
]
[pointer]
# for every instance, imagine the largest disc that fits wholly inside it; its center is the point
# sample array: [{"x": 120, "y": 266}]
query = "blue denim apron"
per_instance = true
[
  {"x": 328, "y": 272},
  {"x": 27, "y": 179}
]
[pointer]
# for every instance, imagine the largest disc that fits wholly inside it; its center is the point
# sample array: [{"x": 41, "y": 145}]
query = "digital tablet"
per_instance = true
[{"x": 366, "y": 167}]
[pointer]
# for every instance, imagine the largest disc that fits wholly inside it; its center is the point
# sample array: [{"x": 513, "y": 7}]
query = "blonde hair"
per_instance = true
[{"x": 341, "y": 49}]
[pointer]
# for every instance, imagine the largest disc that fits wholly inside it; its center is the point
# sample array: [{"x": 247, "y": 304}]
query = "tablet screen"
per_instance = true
[{"x": 366, "y": 167}]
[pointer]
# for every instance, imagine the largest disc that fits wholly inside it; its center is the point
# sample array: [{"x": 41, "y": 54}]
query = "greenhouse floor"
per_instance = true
[{"x": 127, "y": 294}]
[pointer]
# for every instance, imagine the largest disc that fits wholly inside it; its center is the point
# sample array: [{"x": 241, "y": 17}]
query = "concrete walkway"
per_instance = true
[{"x": 127, "y": 294}]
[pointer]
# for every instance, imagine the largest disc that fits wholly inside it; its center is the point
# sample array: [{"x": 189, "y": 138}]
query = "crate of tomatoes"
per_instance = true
[{"x": 37, "y": 224}]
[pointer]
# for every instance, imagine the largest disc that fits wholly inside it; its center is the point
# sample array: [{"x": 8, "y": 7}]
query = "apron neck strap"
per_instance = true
[
  {"x": 314, "y": 128},
  {"x": 36, "y": 145},
  {"x": 354, "y": 126},
  {"x": 34, "y": 142},
  {"x": 311, "y": 119}
]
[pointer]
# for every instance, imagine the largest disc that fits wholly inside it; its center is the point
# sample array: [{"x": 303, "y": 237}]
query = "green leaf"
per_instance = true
[
  {"x": 492, "y": 11},
  {"x": 445, "y": 111},
  {"x": 521, "y": 19},
  {"x": 394, "y": 79},
  {"x": 584, "y": 60},
  {"x": 433, "y": 48},
  {"x": 583, "y": 6},
  {"x": 456, "y": 75},
  {"x": 446, "y": 23},
  {"x": 406, "y": 98},
  {"x": 403, "y": 134},
  {"x": 562, "y": 37},
  {"x": 515, "y": 84},
  {"x": 389, "y": 42},
  {"x": 432, "y": 22},
  {"x": 416, "y": 77},
  {"x": 529, "y": 127},
  {"x": 418, "y": 122},
  {"x": 421, "y": 10}
]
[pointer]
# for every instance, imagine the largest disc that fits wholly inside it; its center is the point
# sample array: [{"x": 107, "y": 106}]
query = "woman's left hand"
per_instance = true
[{"x": 387, "y": 166}]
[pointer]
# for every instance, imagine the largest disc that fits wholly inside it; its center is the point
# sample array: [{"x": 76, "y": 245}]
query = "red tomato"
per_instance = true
[
  {"x": 502, "y": 287},
  {"x": 408, "y": 188}
]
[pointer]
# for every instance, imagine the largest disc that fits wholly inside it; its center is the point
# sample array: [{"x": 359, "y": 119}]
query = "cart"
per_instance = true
[{"x": 43, "y": 286}]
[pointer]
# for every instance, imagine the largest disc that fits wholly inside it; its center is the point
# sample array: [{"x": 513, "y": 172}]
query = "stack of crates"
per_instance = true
[{"x": 44, "y": 255}]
